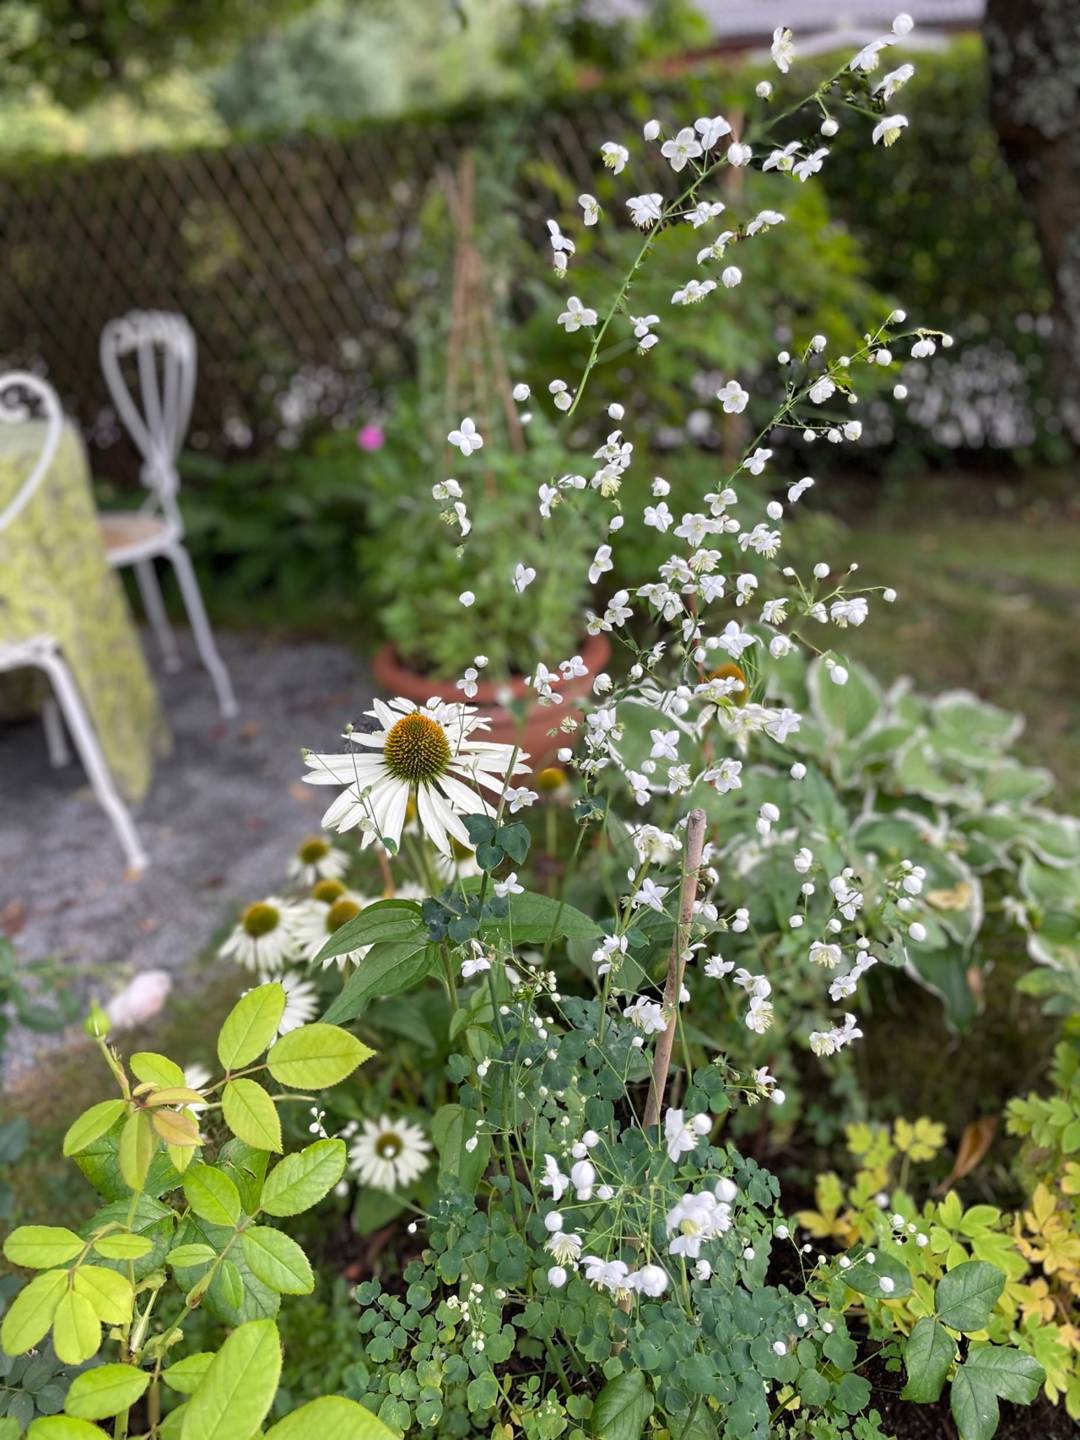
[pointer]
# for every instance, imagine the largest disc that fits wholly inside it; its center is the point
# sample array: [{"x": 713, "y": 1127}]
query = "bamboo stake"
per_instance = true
[{"x": 695, "y": 844}]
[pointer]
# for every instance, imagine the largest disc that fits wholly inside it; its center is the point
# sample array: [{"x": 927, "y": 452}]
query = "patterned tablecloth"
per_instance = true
[{"x": 55, "y": 580}]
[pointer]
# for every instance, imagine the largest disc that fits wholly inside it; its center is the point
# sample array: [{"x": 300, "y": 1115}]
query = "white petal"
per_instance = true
[{"x": 429, "y": 818}]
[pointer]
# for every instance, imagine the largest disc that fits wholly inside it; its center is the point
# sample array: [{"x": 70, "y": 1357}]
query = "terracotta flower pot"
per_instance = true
[{"x": 398, "y": 679}]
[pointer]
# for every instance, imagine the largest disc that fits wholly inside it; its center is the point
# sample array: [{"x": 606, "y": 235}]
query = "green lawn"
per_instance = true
[{"x": 988, "y": 600}]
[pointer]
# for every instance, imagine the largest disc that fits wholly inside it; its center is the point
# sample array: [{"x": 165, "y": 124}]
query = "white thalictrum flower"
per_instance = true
[
  {"x": 523, "y": 577},
  {"x": 645, "y": 210},
  {"x": 782, "y": 49},
  {"x": 427, "y": 753},
  {"x": 888, "y": 129},
  {"x": 590, "y": 207},
  {"x": 388, "y": 1154},
  {"x": 711, "y": 128},
  {"x": 467, "y": 438},
  {"x": 682, "y": 148},
  {"x": 893, "y": 81},
  {"x": 509, "y": 886},
  {"x": 615, "y": 156},
  {"x": 265, "y": 938},
  {"x": 733, "y": 397},
  {"x": 577, "y": 316},
  {"x": 651, "y": 129}
]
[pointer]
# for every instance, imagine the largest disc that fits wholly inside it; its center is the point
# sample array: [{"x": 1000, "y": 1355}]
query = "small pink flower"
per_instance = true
[{"x": 370, "y": 437}]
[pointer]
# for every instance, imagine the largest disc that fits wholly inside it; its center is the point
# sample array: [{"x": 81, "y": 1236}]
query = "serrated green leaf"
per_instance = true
[
  {"x": 105, "y": 1391},
  {"x": 155, "y": 1069},
  {"x": 1010, "y": 1373},
  {"x": 137, "y": 1145},
  {"x": 387, "y": 969},
  {"x": 212, "y": 1195},
  {"x": 40, "y": 1247},
  {"x": 385, "y": 921},
  {"x": 92, "y": 1124},
  {"x": 181, "y": 1256},
  {"x": 238, "y": 1388},
  {"x": 123, "y": 1247},
  {"x": 64, "y": 1427},
  {"x": 967, "y": 1294},
  {"x": 31, "y": 1312},
  {"x": 622, "y": 1408},
  {"x": 974, "y": 1406},
  {"x": 316, "y": 1056},
  {"x": 76, "y": 1330},
  {"x": 514, "y": 839},
  {"x": 251, "y": 1025},
  {"x": 251, "y": 1115},
  {"x": 230, "y": 1283},
  {"x": 533, "y": 918},
  {"x": 186, "y": 1375},
  {"x": 301, "y": 1180},
  {"x": 109, "y": 1293},
  {"x": 451, "y": 1129},
  {"x": 277, "y": 1261},
  {"x": 929, "y": 1352},
  {"x": 331, "y": 1418}
]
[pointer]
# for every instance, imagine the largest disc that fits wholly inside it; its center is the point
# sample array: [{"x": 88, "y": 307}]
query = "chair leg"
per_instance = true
[
  {"x": 200, "y": 626},
  {"x": 86, "y": 742},
  {"x": 154, "y": 606},
  {"x": 55, "y": 739}
]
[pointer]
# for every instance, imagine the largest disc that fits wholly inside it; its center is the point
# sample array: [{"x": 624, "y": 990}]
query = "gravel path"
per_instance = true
[{"x": 225, "y": 811}]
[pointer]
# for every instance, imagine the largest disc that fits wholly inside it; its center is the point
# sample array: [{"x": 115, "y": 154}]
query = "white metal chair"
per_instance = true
[
  {"x": 42, "y": 652},
  {"x": 163, "y": 351}
]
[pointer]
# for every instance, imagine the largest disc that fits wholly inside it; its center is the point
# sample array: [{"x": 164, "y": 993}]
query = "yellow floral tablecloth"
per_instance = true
[{"x": 55, "y": 580}]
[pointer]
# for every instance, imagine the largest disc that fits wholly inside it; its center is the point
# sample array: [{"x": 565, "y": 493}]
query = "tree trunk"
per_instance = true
[{"x": 1033, "y": 49}]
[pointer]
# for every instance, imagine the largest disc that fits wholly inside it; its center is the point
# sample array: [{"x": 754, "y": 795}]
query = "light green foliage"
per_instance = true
[
  {"x": 963, "y": 1302},
  {"x": 186, "y": 1226}
]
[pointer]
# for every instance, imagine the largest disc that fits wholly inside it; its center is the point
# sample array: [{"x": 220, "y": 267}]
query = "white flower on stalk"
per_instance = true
[
  {"x": 651, "y": 129},
  {"x": 651, "y": 895},
  {"x": 809, "y": 164},
  {"x": 466, "y": 437},
  {"x": 560, "y": 394},
  {"x": 646, "y": 1015},
  {"x": 264, "y": 939},
  {"x": 611, "y": 1275},
  {"x": 681, "y": 149},
  {"x": 681, "y": 1136},
  {"x": 888, "y": 129},
  {"x": 615, "y": 156},
  {"x": 703, "y": 212},
  {"x": 763, "y": 221},
  {"x": 763, "y": 89},
  {"x": 895, "y": 80},
  {"x": 565, "y": 1249},
  {"x": 735, "y": 640},
  {"x": 711, "y": 128},
  {"x": 739, "y": 154},
  {"x": 693, "y": 292},
  {"x": 650, "y": 1280},
  {"x": 825, "y": 953},
  {"x": 602, "y": 563},
  {"x": 659, "y": 517},
  {"x": 645, "y": 210},
  {"x": 389, "y": 1154},
  {"x": 849, "y": 611},
  {"x": 508, "y": 886},
  {"x": 577, "y": 316},
  {"x": 423, "y": 752},
  {"x": 731, "y": 277},
  {"x": 822, "y": 389},
  {"x": 524, "y": 575},
  {"x": 869, "y": 57},
  {"x": 302, "y": 1003},
  {"x": 317, "y": 858},
  {"x": 553, "y": 1178},
  {"x": 733, "y": 397},
  {"x": 756, "y": 462},
  {"x": 591, "y": 208},
  {"x": 475, "y": 963},
  {"x": 782, "y": 49}
]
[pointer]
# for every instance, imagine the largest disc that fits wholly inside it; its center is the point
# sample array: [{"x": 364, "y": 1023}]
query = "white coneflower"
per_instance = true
[
  {"x": 317, "y": 859},
  {"x": 301, "y": 1003},
  {"x": 317, "y": 919},
  {"x": 265, "y": 938},
  {"x": 388, "y": 1154},
  {"x": 424, "y": 751}
]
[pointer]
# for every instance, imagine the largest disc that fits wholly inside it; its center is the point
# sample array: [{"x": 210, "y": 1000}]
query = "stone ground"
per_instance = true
[{"x": 225, "y": 811}]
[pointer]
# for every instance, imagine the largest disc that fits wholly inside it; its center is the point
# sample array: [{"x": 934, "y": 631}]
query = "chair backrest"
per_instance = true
[
  {"x": 17, "y": 387},
  {"x": 161, "y": 352}
]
